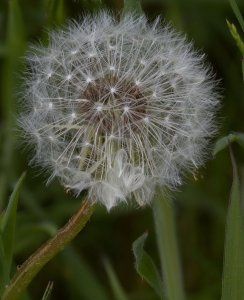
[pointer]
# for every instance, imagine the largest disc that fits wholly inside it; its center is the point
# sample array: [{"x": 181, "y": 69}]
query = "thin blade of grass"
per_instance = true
[
  {"x": 236, "y": 37},
  {"x": 240, "y": 138},
  {"x": 55, "y": 16},
  {"x": 15, "y": 46},
  {"x": 56, "y": 12},
  {"x": 145, "y": 266},
  {"x": 8, "y": 225},
  {"x": 2, "y": 265},
  {"x": 164, "y": 219},
  {"x": 2, "y": 50},
  {"x": 242, "y": 67},
  {"x": 223, "y": 142},
  {"x": 83, "y": 282},
  {"x": 233, "y": 272},
  {"x": 237, "y": 13},
  {"x": 48, "y": 291},
  {"x": 118, "y": 291}
]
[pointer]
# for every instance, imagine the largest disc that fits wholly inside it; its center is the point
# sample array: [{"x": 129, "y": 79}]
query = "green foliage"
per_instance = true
[
  {"x": 223, "y": 142},
  {"x": 165, "y": 227},
  {"x": 16, "y": 32},
  {"x": 234, "y": 32},
  {"x": 48, "y": 291},
  {"x": 12, "y": 49},
  {"x": 237, "y": 12},
  {"x": 145, "y": 266},
  {"x": 82, "y": 280},
  {"x": 2, "y": 265},
  {"x": 7, "y": 233},
  {"x": 236, "y": 36},
  {"x": 233, "y": 273},
  {"x": 92, "y": 4},
  {"x": 132, "y": 5},
  {"x": 2, "y": 50},
  {"x": 200, "y": 204},
  {"x": 56, "y": 12},
  {"x": 116, "y": 287}
]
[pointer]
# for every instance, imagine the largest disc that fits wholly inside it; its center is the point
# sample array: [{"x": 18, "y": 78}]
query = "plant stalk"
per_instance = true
[
  {"x": 165, "y": 227},
  {"x": 47, "y": 251}
]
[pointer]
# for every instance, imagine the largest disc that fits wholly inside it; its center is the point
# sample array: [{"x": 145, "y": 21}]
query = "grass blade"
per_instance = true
[
  {"x": 236, "y": 37},
  {"x": 117, "y": 289},
  {"x": 2, "y": 50},
  {"x": 164, "y": 219},
  {"x": 55, "y": 12},
  {"x": 240, "y": 138},
  {"x": 145, "y": 266},
  {"x": 15, "y": 46},
  {"x": 237, "y": 13},
  {"x": 48, "y": 291},
  {"x": 8, "y": 225},
  {"x": 242, "y": 67},
  {"x": 223, "y": 142},
  {"x": 2, "y": 266},
  {"x": 55, "y": 16},
  {"x": 83, "y": 282},
  {"x": 233, "y": 272}
]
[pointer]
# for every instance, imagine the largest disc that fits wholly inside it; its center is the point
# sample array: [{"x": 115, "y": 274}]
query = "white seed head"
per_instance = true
[{"x": 126, "y": 106}]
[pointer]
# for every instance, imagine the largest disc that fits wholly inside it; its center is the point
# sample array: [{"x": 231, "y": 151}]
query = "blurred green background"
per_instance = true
[{"x": 79, "y": 272}]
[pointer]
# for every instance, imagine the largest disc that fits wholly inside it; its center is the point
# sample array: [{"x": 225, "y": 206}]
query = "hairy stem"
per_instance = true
[
  {"x": 164, "y": 219},
  {"x": 47, "y": 251}
]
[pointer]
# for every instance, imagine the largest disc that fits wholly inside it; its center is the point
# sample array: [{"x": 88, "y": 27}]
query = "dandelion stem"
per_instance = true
[
  {"x": 47, "y": 251},
  {"x": 168, "y": 248}
]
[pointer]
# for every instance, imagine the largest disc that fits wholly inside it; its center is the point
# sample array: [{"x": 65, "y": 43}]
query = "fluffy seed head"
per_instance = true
[{"x": 118, "y": 107}]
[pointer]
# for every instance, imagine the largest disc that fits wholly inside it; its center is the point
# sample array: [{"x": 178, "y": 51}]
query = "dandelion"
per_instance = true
[{"x": 116, "y": 108}]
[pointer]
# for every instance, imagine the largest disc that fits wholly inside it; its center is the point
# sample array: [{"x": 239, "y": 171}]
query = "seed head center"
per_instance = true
[{"x": 114, "y": 104}]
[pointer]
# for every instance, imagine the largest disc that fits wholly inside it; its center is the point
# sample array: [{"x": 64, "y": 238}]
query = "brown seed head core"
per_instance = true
[{"x": 115, "y": 104}]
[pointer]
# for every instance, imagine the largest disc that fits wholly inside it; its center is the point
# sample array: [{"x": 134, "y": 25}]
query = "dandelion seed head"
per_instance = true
[{"x": 118, "y": 107}]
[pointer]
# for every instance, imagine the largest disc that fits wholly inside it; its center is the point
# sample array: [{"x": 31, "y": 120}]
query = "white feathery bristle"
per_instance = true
[{"x": 118, "y": 107}]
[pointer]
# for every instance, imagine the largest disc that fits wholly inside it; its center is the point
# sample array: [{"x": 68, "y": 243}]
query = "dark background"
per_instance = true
[{"x": 78, "y": 273}]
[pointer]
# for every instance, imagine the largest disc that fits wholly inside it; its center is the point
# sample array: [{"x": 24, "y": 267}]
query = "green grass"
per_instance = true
[{"x": 201, "y": 205}]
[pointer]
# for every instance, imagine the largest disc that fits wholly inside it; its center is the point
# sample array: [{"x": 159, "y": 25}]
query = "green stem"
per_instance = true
[
  {"x": 164, "y": 219},
  {"x": 47, "y": 251}
]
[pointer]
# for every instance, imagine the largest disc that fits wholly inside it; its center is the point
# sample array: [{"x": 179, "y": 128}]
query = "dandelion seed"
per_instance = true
[
  {"x": 146, "y": 120},
  {"x": 99, "y": 107},
  {"x": 112, "y": 90},
  {"x": 91, "y": 54},
  {"x": 119, "y": 134},
  {"x": 126, "y": 109}
]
